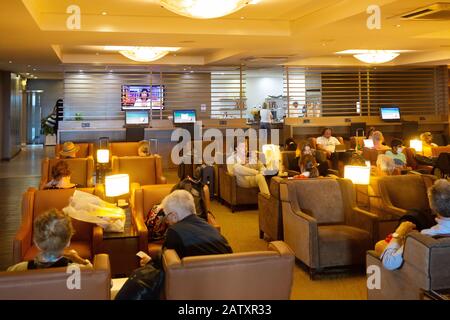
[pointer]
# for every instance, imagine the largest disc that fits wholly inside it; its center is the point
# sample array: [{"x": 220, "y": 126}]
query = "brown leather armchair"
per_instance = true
[
  {"x": 82, "y": 171},
  {"x": 269, "y": 211},
  {"x": 425, "y": 267},
  {"x": 261, "y": 275},
  {"x": 398, "y": 194},
  {"x": 86, "y": 150},
  {"x": 86, "y": 240},
  {"x": 233, "y": 194},
  {"x": 412, "y": 163},
  {"x": 144, "y": 199},
  {"x": 371, "y": 155},
  {"x": 51, "y": 284},
  {"x": 323, "y": 225}
]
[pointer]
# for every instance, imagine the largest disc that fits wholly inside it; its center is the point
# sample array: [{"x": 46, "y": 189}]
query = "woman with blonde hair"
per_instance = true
[{"x": 378, "y": 141}]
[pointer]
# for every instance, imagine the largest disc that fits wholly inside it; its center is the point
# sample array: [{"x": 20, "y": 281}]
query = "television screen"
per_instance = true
[
  {"x": 184, "y": 116},
  {"x": 136, "y": 117},
  {"x": 390, "y": 113},
  {"x": 142, "y": 97}
]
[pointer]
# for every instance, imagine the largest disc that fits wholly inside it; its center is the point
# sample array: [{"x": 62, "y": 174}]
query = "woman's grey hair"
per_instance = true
[
  {"x": 181, "y": 202},
  {"x": 439, "y": 196},
  {"x": 385, "y": 164}
]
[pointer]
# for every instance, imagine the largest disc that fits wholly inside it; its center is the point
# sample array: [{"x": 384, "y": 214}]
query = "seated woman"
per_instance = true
[
  {"x": 60, "y": 177},
  {"x": 392, "y": 250},
  {"x": 308, "y": 166},
  {"x": 322, "y": 166},
  {"x": 378, "y": 141},
  {"x": 52, "y": 232}
]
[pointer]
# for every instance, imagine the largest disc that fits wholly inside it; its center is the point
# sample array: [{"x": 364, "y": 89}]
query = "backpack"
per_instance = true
[
  {"x": 195, "y": 187},
  {"x": 145, "y": 283},
  {"x": 156, "y": 224}
]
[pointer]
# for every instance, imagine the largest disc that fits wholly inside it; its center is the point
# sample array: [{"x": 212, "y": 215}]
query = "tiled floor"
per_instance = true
[{"x": 240, "y": 228}]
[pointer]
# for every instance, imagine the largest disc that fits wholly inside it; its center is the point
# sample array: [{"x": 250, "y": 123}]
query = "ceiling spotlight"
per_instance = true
[
  {"x": 104, "y": 13},
  {"x": 204, "y": 9},
  {"x": 10, "y": 61},
  {"x": 81, "y": 71},
  {"x": 34, "y": 69}
]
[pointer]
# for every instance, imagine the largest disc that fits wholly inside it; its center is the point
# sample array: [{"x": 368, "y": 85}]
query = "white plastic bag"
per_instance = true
[{"x": 87, "y": 207}]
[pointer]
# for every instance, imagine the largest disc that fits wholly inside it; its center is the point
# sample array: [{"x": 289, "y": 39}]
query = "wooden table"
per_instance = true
[{"x": 122, "y": 248}]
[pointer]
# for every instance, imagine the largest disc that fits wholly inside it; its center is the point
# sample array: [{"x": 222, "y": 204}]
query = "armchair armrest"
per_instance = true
[
  {"x": 97, "y": 238},
  {"x": 22, "y": 242},
  {"x": 397, "y": 212},
  {"x": 99, "y": 191},
  {"x": 138, "y": 222},
  {"x": 212, "y": 221},
  {"x": 365, "y": 220}
]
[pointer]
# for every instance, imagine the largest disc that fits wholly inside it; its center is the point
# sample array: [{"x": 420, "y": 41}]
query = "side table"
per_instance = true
[{"x": 122, "y": 248}]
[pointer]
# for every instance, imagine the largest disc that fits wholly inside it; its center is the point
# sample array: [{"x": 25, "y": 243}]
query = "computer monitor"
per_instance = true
[
  {"x": 184, "y": 116},
  {"x": 390, "y": 113},
  {"x": 136, "y": 118}
]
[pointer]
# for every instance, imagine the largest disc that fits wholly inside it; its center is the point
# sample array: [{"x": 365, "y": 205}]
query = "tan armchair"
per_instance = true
[
  {"x": 269, "y": 211},
  {"x": 82, "y": 171},
  {"x": 425, "y": 267},
  {"x": 323, "y": 225},
  {"x": 124, "y": 149},
  {"x": 51, "y": 284},
  {"x": 262, "y": 275},
  {"x": 436, "y": 151},
  {"x": 86, "y": 150},
  {"x": 233, "y": 194},
  {"x": 398, "y": 194},
  {"x": 144, "y": 199},
  {"x": 86, "y": 240},
  {"x": 371, "y": 155}
]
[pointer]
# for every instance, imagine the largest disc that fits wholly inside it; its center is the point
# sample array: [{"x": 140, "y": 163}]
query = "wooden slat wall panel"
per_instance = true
[
  {"x": 416, "y": 91},
  {"x": 227, "y": 94}
]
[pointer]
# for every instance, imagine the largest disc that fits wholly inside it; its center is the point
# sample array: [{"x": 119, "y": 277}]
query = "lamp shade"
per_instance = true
[
  {"x": 358, "y": 175},
  {"x": 103, "y": 156},
  {"x": 416, "y": 145},
  {"x": 272, "y": 156},
  {"x": 117, "y": 185},
  {"x": 377, "y": 56}
]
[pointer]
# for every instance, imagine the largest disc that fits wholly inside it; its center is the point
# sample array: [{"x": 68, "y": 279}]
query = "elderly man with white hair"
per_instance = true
[{"x": 188, "y": 234}]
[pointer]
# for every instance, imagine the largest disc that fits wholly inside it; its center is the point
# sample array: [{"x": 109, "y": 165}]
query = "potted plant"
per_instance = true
[{"x": 48, "y": 130}]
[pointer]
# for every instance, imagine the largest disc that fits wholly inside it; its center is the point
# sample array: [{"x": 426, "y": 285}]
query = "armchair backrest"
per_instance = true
[
  {"x": 36, "y": 202},
  {"x": 51, "y": 284},
  {"x": 143, "y": 170},
  {"x": 430, "y": 257},
  {"x": 405, "y": 191},
  {"x": 319, "y": 198},
  {"x": 82, "y": 171},
  {"x": 371, "y": 154},
  {"x": 436, "y": 151},
  {"x": 86, "y": 150},
  {"x": 262, "y": 275},
  {"x": 124, "y": 149}
]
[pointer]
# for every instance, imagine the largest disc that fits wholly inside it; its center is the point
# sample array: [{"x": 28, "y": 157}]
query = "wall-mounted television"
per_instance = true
[
  {"x": 142, "y": 97},
  {"x": 184, "y": 116},
  {"x": 136, "y": 118},
  {"x": 391, "y": 113}
]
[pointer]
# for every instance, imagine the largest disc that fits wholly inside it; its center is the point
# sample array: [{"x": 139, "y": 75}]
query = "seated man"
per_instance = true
[
  {"x": 52, "y": 232},
  {"x": 328, "y": 143},
  {"x": 396, "y": 153},
  {"x": 378, "y": 141},
  {"x": 391, "y": 251},
  {"x": 247, "y": 175},
  {"x": 187, "y": 234}
]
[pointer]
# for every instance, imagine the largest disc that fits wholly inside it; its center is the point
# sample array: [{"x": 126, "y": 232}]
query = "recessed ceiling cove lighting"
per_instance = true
[
  {"x": 373, "y": 56},
  {"x": 205, "y": 9},
  {"x": 142, "y": 54}
]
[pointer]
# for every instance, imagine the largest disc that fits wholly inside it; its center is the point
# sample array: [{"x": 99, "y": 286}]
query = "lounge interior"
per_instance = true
[{"x": 109, "y": 78}]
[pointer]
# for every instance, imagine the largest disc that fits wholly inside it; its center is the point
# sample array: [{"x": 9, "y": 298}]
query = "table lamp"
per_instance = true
[
  {"x": 117, "y": 185},
  {"x": 416, "y": 145},
  {"x": 360, "y": 176},
  {"x": 102, "y": 158},
  {"x": 272, "y": 158}
]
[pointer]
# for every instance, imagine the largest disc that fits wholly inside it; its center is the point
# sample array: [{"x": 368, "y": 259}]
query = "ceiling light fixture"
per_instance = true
[
  {"x": 142, "y": 54},
  {"x": 373, "y": 56},
  {"x": 205, "y": 9}
]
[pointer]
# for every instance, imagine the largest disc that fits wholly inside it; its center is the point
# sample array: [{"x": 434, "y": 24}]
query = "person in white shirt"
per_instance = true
[
  {"x": 328, "y": 143},
  {"x": 439, "y": 197},
  {"x": 247, "y": 175},
  {"x": 266, "y": 117}
]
